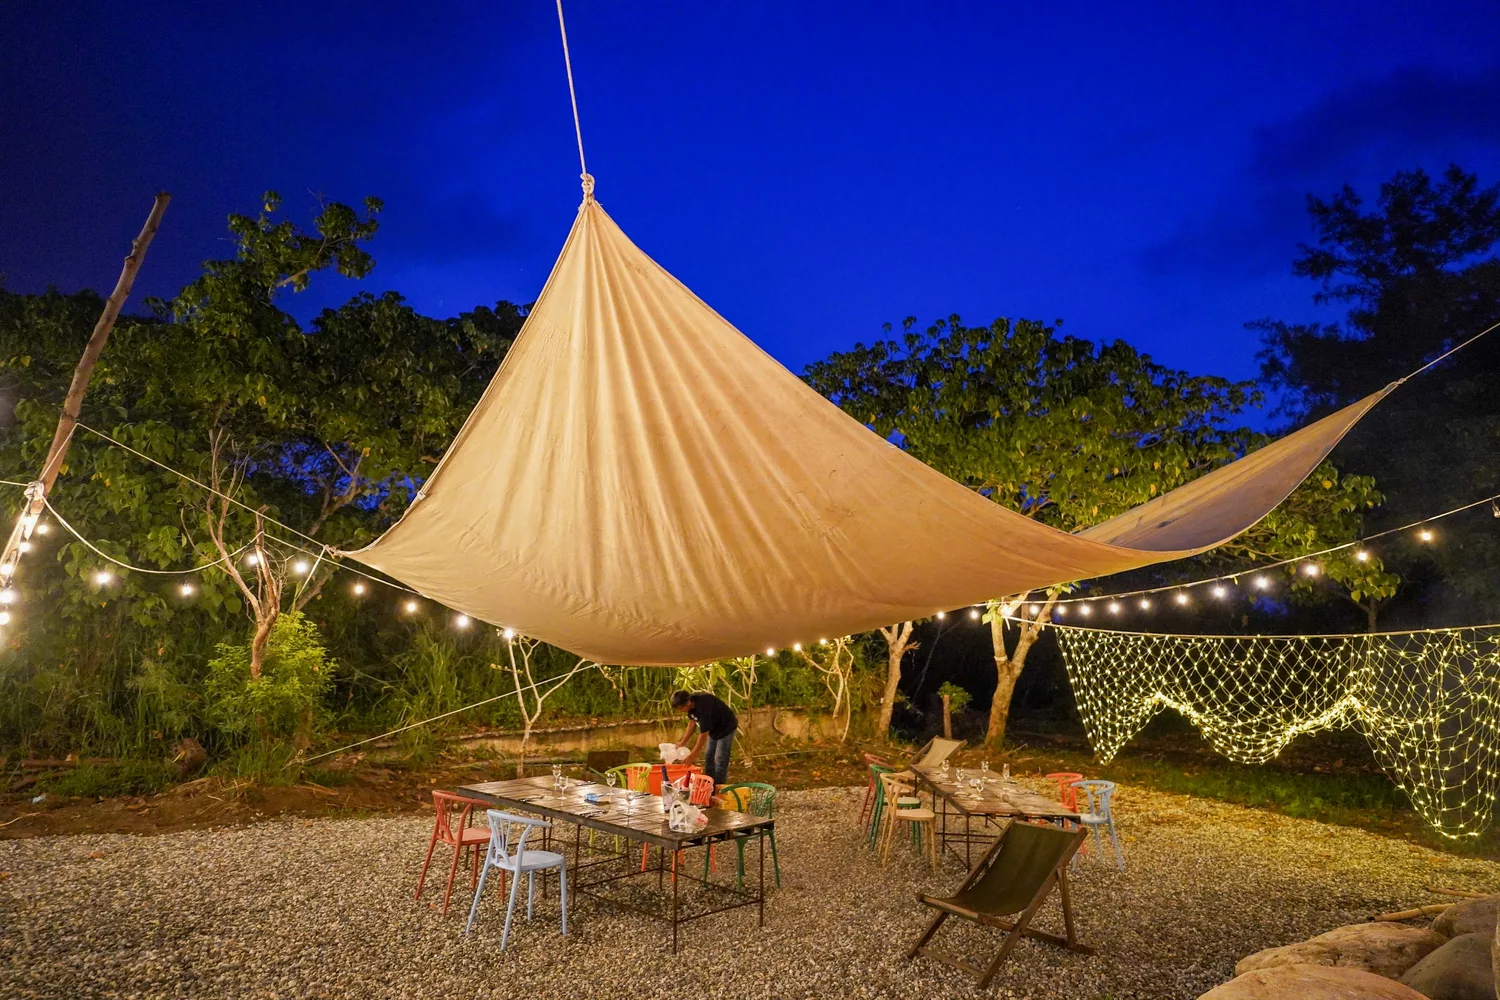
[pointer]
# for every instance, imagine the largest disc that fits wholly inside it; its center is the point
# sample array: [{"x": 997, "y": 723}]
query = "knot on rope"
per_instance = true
[
  {"x": 588, "y": 184},
  {"x": 35, "y": 491}
]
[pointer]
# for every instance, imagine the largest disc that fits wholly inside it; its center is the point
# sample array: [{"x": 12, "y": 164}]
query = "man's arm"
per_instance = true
[
  {"x": 697, "y": 748},
  {"x": 687, "y": 734}
]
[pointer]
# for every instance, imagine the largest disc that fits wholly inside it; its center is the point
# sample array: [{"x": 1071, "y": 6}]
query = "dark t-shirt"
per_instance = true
[{"x": 712, "y": 716}]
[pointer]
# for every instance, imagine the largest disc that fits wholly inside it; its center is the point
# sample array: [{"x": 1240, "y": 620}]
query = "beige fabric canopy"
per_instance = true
[{"x": 641, "y": 484}]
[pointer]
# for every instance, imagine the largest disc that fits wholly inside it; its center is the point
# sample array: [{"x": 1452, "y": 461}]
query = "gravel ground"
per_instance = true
[{"x": 323, "y": 908}]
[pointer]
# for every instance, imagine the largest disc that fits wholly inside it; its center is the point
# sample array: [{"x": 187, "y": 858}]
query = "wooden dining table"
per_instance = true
[
  {"x": 995, "y": 804},
  {"x": 636, "y": 818}
]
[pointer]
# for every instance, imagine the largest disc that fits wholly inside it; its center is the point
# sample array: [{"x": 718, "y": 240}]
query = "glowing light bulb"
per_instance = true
[
  {"x": 103, "y": 578},
  {"x": 1034, "y": 608},
  {"x": 1114, "y": 607},
  {"x": 1425, "y": 534},
  {"x": 1059, "y": 611},
  {"x": 770, "y": 652},
  {"x": 462, "y": 621},
  {"x": 1311, "y": 569},
  {"x": 7, "y": 596},
  {"x": 1182, "y": 597},
  {"x": 1262, "y": 582},
  {"x": 43, "y": 527},
  {"x": 941, "y": 615},
  {"x": 4, "y": 617},
  {"x": 796, "y": 647},
  {"x": 252, "y": 559},
  {"x": 23, "y": 546},
  {"x": 186, "y": 590},
  {"x": 358, "y": 588},
  {"x": 1005, "y": 610},
  {"x": 1362, "y": 555},
  {"x": 509, "y": 633},
  {"x": 974, "y": 613},
  {"x": 300, "y": 567},
  {"x": 1085, "y": 610},
  {"x": 1220, "y": 591},
  {"x": 1145, "y": 604},
  {"x": 6, "y": 570},
  {"x": 411, "y": 607},
  {"x": 822, "y": 642}
]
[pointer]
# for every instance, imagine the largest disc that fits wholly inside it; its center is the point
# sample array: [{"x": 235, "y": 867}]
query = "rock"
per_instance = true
[
  {"x": 1459, "y": 970},
  {"x": 189, "y": 758},
  {"x": 1472, "y": 916},
  {"x": 1311, "y": 982},
  {"x": 1386, "y": 949}
]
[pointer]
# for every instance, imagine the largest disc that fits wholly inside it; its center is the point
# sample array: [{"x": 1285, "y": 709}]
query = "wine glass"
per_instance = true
[
  {"x": 557, "y": 781},
  {"x": 984, "y": 768},
  {"x": 610, "y": 778},
  {"x": 1005, "y": 775},
  {"x": 945, "y": 767},
  {"x": 961, "y": 779},
  {"x": 976, "y": 784}
]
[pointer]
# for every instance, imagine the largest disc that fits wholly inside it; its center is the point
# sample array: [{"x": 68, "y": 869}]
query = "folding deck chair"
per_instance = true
[
  {"x": 1015, "y": 876},
  {"x": 935, "y": 751}
]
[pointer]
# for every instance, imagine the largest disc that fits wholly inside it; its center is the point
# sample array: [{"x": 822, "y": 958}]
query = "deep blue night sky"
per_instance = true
[{"x": 811, "y": 170}]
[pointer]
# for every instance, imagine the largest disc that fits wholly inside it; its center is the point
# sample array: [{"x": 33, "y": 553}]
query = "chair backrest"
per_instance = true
[
  {"x": 633, "y": 777},
  {"x": 504, "y": 845},
  {"x": 893, "y": 786},
  {"x": 1065, "y": 789},
  {"x": 1017, "y": 868},
  {"x": 1099, "y": 793},
  {"x": 754, "y": 797},
  {"x": 452, "y": 814},
  {"x": 700, "y": 789},
  {"x": 936, "y": 751},
  {"x": 871, "y": 758}
]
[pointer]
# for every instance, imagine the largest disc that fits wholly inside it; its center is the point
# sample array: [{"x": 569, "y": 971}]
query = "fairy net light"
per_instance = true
[{"x": 1428, "y": 703}]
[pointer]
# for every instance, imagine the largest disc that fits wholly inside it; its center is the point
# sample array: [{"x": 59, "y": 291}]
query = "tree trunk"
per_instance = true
[
  {"x": 1008, "y": 667},
  {"x": 947, "y": 718},
  {"x": 263, "y": 626},
  {"x": 1371, "y": 611},
  {"x": 898, "y": 643}
]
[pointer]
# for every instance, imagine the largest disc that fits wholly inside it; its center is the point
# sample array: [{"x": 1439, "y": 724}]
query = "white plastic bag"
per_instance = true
[
  {"x": 671, "y": 753},
  {"x": 685, "y": 818}
]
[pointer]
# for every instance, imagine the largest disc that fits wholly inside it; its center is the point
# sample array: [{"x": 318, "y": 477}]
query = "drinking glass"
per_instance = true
[
  {"x": 1005, "y": 774},
  {"x": 975, "y": 786},
  {"x": 610, "y": 778},
  {"x": 557, "y": 781},
  {"x": 984, "y": 767},
  {"x": 946, "y": 767},
  {"x": 961, "y": 778}
]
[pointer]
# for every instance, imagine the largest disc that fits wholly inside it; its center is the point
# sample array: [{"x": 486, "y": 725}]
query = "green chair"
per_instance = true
[
  {"x": 1012, "y": 880},
  {"x": 872, "y": 831},
  {"x": 758, "y": 799}
]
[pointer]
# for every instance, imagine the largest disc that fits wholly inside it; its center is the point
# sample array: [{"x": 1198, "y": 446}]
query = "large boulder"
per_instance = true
[
  {"x": 1386, "y": 949},
  {"x": 1472, "y": 916},
  {"x": 1459, "y": 970},
  {"x": 1311, "y": 982}
]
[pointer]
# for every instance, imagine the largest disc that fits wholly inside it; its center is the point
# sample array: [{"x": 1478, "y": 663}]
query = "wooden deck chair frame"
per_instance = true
[
  {"x": 937, "y": 749},
  {"x": 1014, "y": 928}
]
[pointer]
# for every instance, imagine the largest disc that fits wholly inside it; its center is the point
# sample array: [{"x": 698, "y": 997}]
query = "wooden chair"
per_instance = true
[
  {"x": 451, "y": 826},
  {"x": 904, "y": 807},
  {"x": 1012, "y": 880},
  {"x": 870, "y": 789}
]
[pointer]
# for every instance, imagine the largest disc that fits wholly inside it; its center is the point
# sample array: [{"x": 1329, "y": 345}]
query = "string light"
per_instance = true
[
  {"x": 43, "y": 528},
  {"x": 1145, "y": 604},
  {"x": 770, "y": 652},
  {"x": 23, "y": 547},
  {"x": 941, "y": 615},
  {"x": 509, "y": 633},
  {"x": 1058, "y": 610},
  {"x": 1182, "y": 597},
  {"x": 796, "y": 647},
  {"x": 7, "y": 596},
  {"x": 461, "y": 621},
  {"x": 974, "y": 613},
  {"x": 252, "y": 559},
  {"x": 4, "y": 617},
  {"x": 1425, "y": 534},
  {"x": 186, "y": 590},
  {"x": 358, "y": 588},
  {"x": 300, "y": 567},
  {"x": 1085, "y": 609},
  {"x": 104, "y": 578},
  {"x": 1220, "y": 592},
  {"x": 1035, "y": 609},
  {"x": 1311, "y": 569},
  {"x": 822, "y": 642},
  {"x": 1262, "y": 582},
  {"x": 1362, "y": 555},
  {"x": 410, "y": 607},
  {"x": 1114, "y": 607},
  {"x": 1425, "y": 702}
]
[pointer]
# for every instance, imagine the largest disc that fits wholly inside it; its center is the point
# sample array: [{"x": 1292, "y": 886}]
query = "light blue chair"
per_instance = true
[
  {"x": 513, "y": 857},
  {"x": 1097, "y": 815}
]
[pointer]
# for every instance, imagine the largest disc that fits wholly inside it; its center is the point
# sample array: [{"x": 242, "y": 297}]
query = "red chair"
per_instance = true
[
  {"x": 864, "y": 812},
  {"x": 1066, "y": 792},
  {"x": 459, "y": 834}
]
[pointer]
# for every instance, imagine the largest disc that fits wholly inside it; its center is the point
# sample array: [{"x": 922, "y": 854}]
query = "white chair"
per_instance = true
[{"x": 517, "y": 860}]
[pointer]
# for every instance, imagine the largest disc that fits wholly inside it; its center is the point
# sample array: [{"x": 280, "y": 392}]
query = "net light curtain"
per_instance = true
[{"x": 1428, "y": 702}]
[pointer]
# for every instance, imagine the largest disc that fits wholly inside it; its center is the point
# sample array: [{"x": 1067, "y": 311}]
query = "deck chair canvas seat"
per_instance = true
[
  {"x": 935, "y": 752},
  {"x": 1005, "y": 890}
]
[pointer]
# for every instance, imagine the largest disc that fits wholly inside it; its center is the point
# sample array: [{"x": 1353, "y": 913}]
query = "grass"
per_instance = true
[{"x": 102, "y": 781}]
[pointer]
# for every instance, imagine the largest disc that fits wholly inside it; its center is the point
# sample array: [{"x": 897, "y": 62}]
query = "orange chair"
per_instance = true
[
  {"x": 1066, "y": 792},
  {"x": 459, "y": 834}
]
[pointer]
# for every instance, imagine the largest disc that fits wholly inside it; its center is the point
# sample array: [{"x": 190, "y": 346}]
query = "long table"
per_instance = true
[
  {"x": 996, "y": 801},
  {"x": 644, "y": 824}
]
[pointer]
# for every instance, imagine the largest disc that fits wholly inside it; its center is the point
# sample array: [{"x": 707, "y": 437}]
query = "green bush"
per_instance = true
[
  {"x": 129, "y": 777},
  {"x": 958, "y": 698},
  {"x": 286, "y": 701}
]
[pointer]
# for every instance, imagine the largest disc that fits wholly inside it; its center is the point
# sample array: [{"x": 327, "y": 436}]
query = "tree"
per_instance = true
[
  {"x": 898, "y": 643},
  {"x": 1069, "y": 433},
  {"x": 1419, "y": 275}
]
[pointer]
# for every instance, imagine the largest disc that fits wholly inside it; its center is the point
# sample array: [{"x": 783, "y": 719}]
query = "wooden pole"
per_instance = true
[{"x": 36, "y": 493}]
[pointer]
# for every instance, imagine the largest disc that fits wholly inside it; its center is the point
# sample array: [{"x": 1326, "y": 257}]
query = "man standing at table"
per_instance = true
[{"x": 715, "y": 723}]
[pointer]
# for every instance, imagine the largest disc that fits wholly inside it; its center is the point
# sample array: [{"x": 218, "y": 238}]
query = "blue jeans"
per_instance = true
[{"x": 716, "y": 758}]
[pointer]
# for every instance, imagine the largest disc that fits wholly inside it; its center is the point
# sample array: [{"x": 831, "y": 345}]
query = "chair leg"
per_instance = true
[
  {"x": 1119, "y": 854},
  {"x": 474, "y": 907},
  {"x": 775, "y": 864},
  {"x": 562, "y": 892},
  {"x": 510, "y": 908},
  {"x": 932, "y": 929},
  {"x": 475, "y": 879},
  {"x": 458, "y": 850},
  {"x": 431, "y": 844},
  {"x": 530, "y": 892}
]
